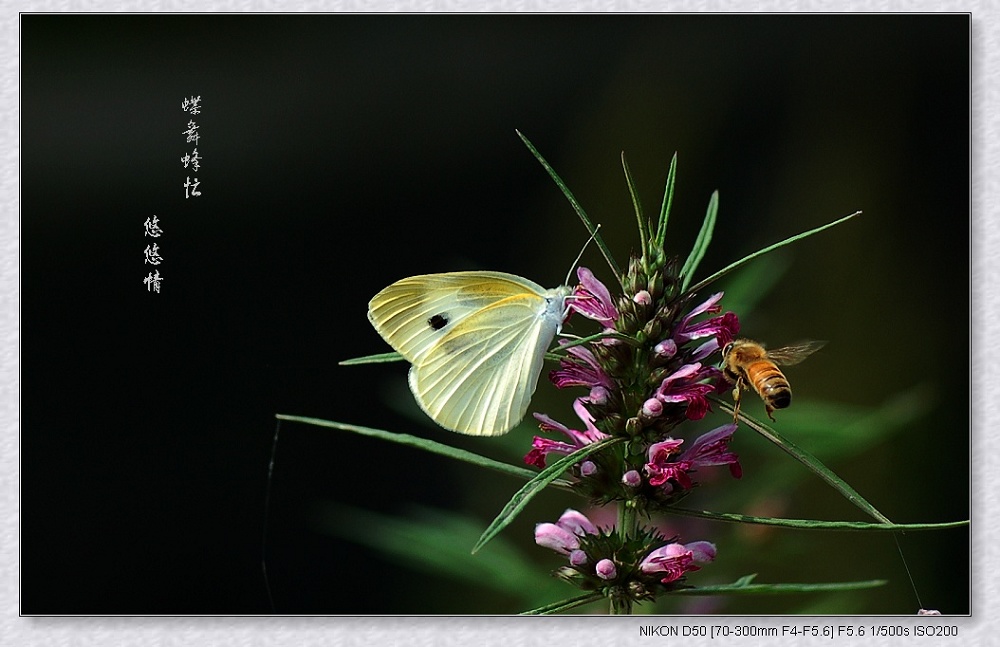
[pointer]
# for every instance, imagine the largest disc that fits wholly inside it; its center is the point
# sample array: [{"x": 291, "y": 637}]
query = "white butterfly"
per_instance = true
[{"x": 476, "y": 342}]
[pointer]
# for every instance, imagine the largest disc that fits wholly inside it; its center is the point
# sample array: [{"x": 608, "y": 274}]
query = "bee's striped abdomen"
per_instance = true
[{"x": 770, "y": 383}]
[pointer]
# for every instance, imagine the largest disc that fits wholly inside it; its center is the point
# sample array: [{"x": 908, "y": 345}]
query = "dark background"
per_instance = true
[{"x": 344, "y": 152}]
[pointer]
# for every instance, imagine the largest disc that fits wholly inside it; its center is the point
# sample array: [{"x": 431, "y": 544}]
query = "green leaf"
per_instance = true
[
  {"x": 424, "y": 444},
  {"x": 576, "y": 207},
  {"x": 739, "y": 588},
  {"x": 809, "y": 461},
  {"x": 380, "y": 358},
  {"x": 746, "y": 259},
  {"x": 813, "y": 524},
  {"x": 536, "y": 485},
  {"x": 637, "y": 205},
  {"x": 700, "y": 243},
  {"x": 565, "y": 605},
  {"x": 668, "y": 199}
]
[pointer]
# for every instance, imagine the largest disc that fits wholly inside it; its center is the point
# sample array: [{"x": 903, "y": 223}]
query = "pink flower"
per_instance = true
[
  {"x": 563, "y": 536},
  {"x": 659, "y": 469},
  {"x": 541, "y": 447},
  {"x": 688, "y": 384},
  {"x": 593, "y": 300},
  {"x": 579, "y": 368},
  {"x": 674, "y": 560},
  {"x": 709, "y": 450},
  {"x": 724, "y": 329},
  {"x": 550, "y": 535},
  {"x": 712, "y": 449}
]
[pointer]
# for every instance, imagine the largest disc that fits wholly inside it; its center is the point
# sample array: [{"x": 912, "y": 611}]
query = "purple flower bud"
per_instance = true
[
  {"x": 643, "y": 298},
  {"x": 606, "y": 569},
  {"x": 652, "y": 408},
  {"x": 578, "y": 557},
  {"x": 666, "y": 348},
  {"x": 632, "y": 479},
  {"x": 587, "y": 468},
  {"x": 598, "y": 395}
]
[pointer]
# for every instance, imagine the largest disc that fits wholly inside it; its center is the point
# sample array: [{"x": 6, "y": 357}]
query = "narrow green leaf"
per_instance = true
[
  {"x": 536, "y": 485},
  {"x": 605, "y": 251},
  {"x": 809, "y": 461},
  {"x": 784, "y": 588},
  {"x": 813, "y": 524},
  {"x": 668, "y": 200},
  {"x": 746, "y": 259},
  {"x": 637, "y": 205},
  {"x": 424, "y": 444},
  {"x": 700, "y": 243},
  {"x": 565, "y": 605},
  {"x": 380, "y": 358}
]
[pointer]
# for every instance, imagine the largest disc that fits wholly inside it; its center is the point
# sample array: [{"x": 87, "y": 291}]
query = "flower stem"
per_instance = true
[
  {"x": 628, "y": 526},
  {"x": 620, "y": 606},
  {"x": 627, "y": 518}
]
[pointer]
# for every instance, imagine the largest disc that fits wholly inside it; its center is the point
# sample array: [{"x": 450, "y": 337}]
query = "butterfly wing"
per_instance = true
[
  {"x": 480, "y": 375},
  {"x": 414, "y": 313}
]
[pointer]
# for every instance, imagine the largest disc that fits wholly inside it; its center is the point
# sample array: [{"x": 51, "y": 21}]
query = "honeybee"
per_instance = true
[{"x": 748, "y": 364}]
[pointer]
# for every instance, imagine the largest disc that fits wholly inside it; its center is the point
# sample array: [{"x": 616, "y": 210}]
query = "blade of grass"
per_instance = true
[
  {"x": 668, "y": 200},
  {"x": 536, "y": 485},
  {"x": 746, "y": 259},
  {"x": 637, "y": 205},
  {"x": 605, "y": 251},
  {"x": 564, "y": 605},
  {"x": 424, "y": 444},
  {"x": 812, "y": 524},
  {"x": 701, "y": 242},
  {"x": 783, "y": 588},
  {"x": 380, "y": 358},
  {"x": 809, "y": 461}
]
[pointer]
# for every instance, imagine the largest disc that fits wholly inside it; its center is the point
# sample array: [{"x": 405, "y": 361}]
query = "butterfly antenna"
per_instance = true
[{"x": 593, "y": 235}]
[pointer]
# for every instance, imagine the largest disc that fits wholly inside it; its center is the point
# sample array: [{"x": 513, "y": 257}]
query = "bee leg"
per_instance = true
[
  {"x": 769, "y": 409},
  {"x": 736, "y": 399}
]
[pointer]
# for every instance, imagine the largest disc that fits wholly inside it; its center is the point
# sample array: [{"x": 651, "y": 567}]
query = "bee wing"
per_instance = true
[{"x": 790, "y": 355}]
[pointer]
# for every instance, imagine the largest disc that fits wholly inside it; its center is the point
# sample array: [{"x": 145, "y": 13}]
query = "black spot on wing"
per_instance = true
[{"x": 438, "y": 321}]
